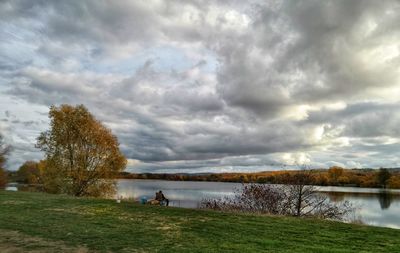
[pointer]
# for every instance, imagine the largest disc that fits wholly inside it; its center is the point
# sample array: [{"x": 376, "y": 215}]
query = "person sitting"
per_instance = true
[{"x": 161, "y": 198}]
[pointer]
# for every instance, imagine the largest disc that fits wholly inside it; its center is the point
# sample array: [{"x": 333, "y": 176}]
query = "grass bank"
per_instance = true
[{"x": 41, "y": 222}]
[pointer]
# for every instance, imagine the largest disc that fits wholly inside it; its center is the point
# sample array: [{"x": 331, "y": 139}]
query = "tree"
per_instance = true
[
  {"x": 394, "y": 182},
  {"x": 300, "y": 192},
  {"x": 334, "y": 173},
  {"x": 298, "y": 197},
  {"x": 82, "y": 155},
  {"x": 51, "y": 179},
  {"x": 383, "y": 177},
  {"x": 253, "y": 198},
  {"x": 4, "y": 151},
  {"x": 304, "y": 199},
  {"x": 3, "y": 178},
  {"x": 29, "y": 173}
]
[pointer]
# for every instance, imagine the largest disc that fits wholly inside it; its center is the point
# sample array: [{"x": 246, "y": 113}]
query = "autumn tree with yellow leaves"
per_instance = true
[
  {"x": 4, "y": 151},
  {"x": 29, "y": 173},
  {"x": 82, "y": 155}
]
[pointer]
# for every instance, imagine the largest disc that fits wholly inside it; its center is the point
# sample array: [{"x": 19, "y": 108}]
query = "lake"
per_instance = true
[{"x": 374, "y": 206}]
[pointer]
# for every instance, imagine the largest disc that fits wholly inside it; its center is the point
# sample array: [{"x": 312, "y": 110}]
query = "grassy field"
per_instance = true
[{"x": 37, "y": 222}]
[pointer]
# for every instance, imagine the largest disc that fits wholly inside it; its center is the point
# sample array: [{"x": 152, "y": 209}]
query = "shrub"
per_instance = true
[{"x": 296, "y": 199}]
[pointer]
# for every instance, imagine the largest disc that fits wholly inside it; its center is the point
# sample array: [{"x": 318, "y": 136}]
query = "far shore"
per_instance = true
[{"x": 361, "y": 178}]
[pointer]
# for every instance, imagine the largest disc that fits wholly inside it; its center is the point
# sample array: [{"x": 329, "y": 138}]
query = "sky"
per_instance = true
[{"x": 209, "y": 86}]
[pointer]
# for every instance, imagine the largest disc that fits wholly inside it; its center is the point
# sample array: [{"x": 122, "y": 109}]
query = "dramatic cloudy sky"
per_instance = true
[{"x": 194, "y": 86}]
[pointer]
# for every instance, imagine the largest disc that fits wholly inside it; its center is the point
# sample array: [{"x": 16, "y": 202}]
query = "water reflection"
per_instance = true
[
  {"x": 385, "y": 199},
  {"x": 180, "y": 194},
  {"x": 336, "y": 196}
]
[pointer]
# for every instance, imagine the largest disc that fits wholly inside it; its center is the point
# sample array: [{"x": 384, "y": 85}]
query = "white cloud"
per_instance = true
[{"x": 207, "y": 85}]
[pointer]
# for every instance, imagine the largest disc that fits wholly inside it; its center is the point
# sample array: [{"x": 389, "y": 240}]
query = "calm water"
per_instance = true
[{"x": 374, "y": 207}]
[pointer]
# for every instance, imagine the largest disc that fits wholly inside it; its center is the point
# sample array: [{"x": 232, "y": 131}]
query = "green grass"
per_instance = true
[{"x": 32, "y": 221}]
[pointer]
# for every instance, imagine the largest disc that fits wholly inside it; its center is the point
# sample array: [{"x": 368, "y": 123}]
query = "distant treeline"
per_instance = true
[
  {"x": 334, "y": 176},
  {"x": 30, "y": 173}
]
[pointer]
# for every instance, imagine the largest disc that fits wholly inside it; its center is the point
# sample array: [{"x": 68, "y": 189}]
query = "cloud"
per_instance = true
[{"x": 209, "y": 86}]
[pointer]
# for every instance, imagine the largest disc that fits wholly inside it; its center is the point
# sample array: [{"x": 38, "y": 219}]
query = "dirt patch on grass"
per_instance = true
[
  {"x": 84, "y": 210},
  {"x": 13, "y": 202},
  {"x": 73, "y": 210},
  {"x": 15, "y": 242},
  {"x": 65, "y": 210}
]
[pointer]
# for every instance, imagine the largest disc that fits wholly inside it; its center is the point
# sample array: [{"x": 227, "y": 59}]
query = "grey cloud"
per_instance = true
[
  {"x": 273, "y": 57},
  {"x": 316, "y": 55},
  {"x": 365, "y": 119},
  {"x": 118, "y": 20}
]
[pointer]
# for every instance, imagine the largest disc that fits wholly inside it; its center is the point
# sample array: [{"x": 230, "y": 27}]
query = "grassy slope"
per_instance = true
[{"x": 104, "y": 225}]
